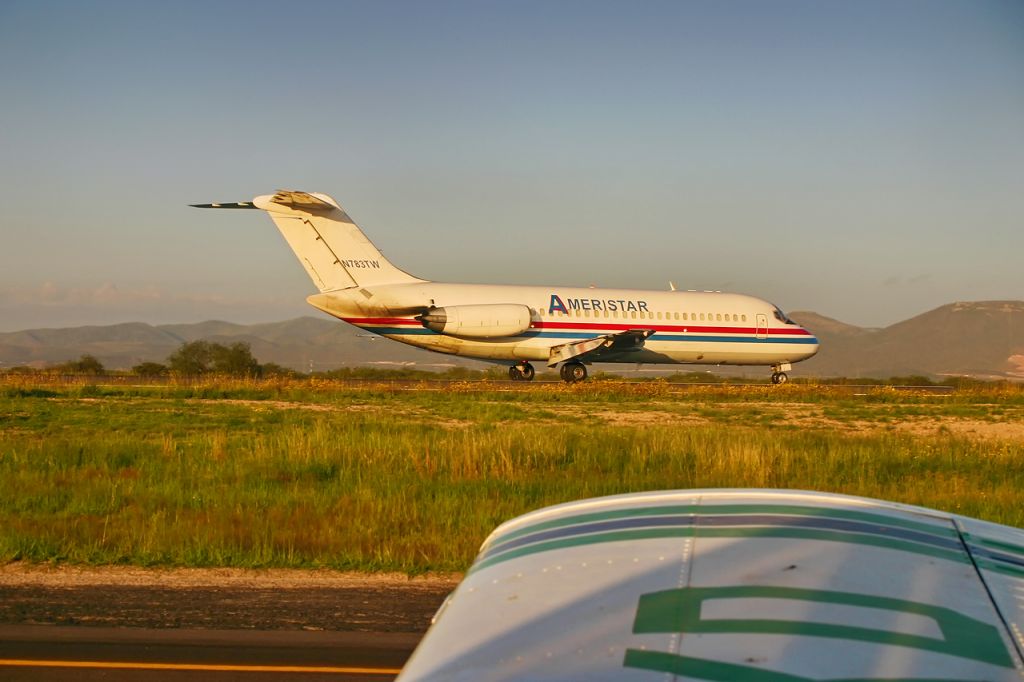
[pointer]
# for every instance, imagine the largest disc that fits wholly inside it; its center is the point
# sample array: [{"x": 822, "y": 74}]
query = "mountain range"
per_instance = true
[{"x": 982, "y": 339}]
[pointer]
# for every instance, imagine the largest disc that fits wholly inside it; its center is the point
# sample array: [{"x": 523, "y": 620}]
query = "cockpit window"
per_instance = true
[{"x": 781, "y": 317}]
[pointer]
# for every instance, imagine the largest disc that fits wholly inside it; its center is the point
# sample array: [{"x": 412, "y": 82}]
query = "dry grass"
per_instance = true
[{"x": 379, "y": 477}]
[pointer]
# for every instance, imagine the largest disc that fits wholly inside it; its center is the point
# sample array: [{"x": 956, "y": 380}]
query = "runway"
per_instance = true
[
  {"x": 43, "y": 652},
  {"x": 542, "y": 383}
]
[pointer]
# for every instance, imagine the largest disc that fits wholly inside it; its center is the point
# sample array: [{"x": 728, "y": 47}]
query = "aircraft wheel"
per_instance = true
[
  {"x": 779, "y": 378},
  {"x": 573, "y": 372},
  {"x": 522, "y": 372}
]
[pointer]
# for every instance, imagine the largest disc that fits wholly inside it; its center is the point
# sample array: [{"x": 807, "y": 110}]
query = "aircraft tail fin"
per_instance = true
[{"x": 331, "y": 247}]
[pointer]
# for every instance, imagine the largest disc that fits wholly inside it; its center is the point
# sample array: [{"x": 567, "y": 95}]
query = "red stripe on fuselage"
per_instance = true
[
  {"x": 643, "y": 324},
  {"x": 390, "y": 321}
]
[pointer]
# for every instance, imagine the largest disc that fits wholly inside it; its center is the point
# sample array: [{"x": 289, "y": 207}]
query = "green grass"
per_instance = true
[{"x": 373, "y": 477}]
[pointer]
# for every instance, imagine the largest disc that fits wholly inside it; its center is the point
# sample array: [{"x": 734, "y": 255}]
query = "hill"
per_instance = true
[
  {"x": 304, "y": 343},
  {"x": 981, "y": 339}
]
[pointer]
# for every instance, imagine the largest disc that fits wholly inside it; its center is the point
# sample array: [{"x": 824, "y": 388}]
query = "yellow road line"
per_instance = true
[{"x": 214, "y": 667}]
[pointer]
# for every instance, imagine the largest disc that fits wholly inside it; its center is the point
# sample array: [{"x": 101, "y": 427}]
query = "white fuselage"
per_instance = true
[{"x": 689, "y": 327}]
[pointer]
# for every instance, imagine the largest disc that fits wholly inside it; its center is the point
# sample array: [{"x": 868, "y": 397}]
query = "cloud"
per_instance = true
[
  {"x": 904, "y": 281},
  {"x": 50, "y": 304},
  {"x": 52, "y": 294},
  {"x": 108, "y": 294}
]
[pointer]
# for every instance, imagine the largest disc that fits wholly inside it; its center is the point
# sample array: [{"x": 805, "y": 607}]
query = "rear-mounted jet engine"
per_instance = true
[{"x": 489, "y": 321}]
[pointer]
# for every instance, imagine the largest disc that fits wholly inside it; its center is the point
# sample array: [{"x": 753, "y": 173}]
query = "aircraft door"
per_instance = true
[{"x": 762, "y": 326}]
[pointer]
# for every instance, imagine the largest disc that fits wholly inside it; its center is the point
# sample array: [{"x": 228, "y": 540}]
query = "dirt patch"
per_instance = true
[
  {"x": 405, "y": 413},
  {"x": 220, "y": 598},
  {"x": 622, "y": 417},
  {"x": 813, "y": 417},
  {"x": 279, "y": 404},
  {"x": 966, "y": 428},
  {"x": 648, "y": 418},
  {"x": 75, "y": 576}
]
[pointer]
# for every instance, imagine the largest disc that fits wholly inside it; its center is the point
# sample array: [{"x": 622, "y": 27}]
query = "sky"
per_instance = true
[{"x": 864, "y": 160}]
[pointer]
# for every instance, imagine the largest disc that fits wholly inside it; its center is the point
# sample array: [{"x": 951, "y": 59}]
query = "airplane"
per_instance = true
[
  {"x": 563, "y": 327},
  {"x": 738, "y": 585}
]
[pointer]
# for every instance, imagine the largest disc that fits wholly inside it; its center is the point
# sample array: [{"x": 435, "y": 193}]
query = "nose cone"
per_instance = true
[{"x": 811, "y": 345}]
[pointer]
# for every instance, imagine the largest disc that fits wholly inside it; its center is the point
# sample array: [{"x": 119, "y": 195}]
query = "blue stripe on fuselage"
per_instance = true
[{"x": 413, "y": 331}]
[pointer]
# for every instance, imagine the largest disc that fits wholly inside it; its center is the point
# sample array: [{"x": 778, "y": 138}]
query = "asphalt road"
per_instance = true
[
  {"x": 248, "y": 627},
  {"x": 44, "y": 652}
]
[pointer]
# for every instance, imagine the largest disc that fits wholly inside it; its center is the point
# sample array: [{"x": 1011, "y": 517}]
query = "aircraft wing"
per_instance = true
[
  {"x": 745, "y": 585},
  {"x": 605, "y": 345}
]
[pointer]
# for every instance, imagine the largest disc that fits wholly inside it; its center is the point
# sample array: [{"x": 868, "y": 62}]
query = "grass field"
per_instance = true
[{"x": 307, "y": 473}]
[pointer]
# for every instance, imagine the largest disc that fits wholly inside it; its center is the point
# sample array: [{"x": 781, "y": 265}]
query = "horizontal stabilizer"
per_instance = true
[{"x": 237, "y": 204}]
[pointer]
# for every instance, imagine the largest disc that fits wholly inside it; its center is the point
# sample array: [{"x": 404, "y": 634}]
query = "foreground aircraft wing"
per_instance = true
[
  {"x": 743, "y": 585},
  {"x": 605, "y": 345}
]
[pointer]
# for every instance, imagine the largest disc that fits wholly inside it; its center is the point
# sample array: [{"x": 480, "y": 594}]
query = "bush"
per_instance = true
[
  {"x": 87, "y": 364},
  {"x": 150, "y": 369},
  {"x": 202, "y": 357}
]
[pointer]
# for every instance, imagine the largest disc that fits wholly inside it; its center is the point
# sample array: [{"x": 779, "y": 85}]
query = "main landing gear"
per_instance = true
[
  {"x": 522, "y": 371},
  {"x": 573, "y": 372}
]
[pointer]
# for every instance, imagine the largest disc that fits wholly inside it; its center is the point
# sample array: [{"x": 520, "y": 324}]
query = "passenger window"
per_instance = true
[
  {"x": 718, "y": 317},
  {"x": 744, "y": 318},
  {"x": 633, "y": 315},
  {"x": 702, "y": 317}
]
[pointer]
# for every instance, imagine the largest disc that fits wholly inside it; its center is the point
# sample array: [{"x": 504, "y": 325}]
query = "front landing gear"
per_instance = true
[
  {"x": 573, "y": 372},
  {"x": 779, "y": 375},
  {"x": 522, "y": 371}
]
